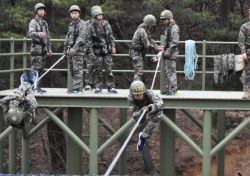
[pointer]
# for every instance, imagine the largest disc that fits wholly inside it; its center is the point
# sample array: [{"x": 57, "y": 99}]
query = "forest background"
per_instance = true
[{"x": 211, "y": 20}]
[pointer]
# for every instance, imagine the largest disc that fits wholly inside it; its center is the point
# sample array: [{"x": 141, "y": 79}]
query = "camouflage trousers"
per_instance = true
[
  {"x": 152, "y": 122},
  {"x": 38, "y": 63},
  {"x": 89, "y": 75},
  {"x": 247, "y": 73},
  {"x": 137, "y": 61},
  {"x": 76, "y": 69},
  {"x": 170, "y": 74},
  {"x": 106, "y": 63}
]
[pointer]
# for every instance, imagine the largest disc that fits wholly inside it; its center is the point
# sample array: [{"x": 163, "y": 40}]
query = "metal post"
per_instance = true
[
  {"x": 1, "y": 143},
  {"x": 162, "y": 74},
  {"x": 74, "y": 152},
  {"x": 12, "y": 57},
  {"x": 204, "y": 65},
  {"x": 12, "y": 152},
  {"x": 123, "y": 158},
  {"x": 167, "y": 146},
  {"x": 25, "y": 153},
  {"x": 24, "y": 55},
  {"x": 206, "y": 159},
  {"x": 221, "y": 136},
  {"x": 93, "y": 159}
]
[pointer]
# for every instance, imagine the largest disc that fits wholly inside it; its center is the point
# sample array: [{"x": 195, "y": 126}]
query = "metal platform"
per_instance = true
[{"x": 58, "y": 97}]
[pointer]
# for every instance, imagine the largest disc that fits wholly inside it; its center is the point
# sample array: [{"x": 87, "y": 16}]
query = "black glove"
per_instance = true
[{"x": 151, "y": 108}]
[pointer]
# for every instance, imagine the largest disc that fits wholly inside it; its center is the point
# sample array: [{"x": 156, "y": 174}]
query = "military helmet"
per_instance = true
[
  {"x": 137, "y": 87},
  {"x": 15, "y": 116},
  {"x": 149, "y": 20},
  {"x": 39, "y": 6},
  {"x": 166, "y": 14},
  {"x": 74, "y": 8},
  {"x": 96, "y": 11}
]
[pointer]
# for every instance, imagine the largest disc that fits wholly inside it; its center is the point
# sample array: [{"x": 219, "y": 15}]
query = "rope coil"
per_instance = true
[{"x": 191, "y": 59}]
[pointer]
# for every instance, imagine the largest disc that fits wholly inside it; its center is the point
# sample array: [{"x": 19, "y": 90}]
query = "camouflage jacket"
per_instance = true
[
  {"x": 244, "y": 37},
  {"x": 143, "y": 39},
  {"x": 99, "y": 37},
  {"x": 39, "y": 25},
  {"x": 171, "y": 38},
  {"x": 150, "y": 98}
]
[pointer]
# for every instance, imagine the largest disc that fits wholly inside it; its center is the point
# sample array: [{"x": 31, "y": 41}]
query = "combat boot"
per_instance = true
[{"x": 246, "y": 94}]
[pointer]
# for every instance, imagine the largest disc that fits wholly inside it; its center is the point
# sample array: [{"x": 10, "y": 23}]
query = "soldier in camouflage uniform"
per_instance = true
[
  {"x": 75, "y": 48},
  {"x": 141, "y": 99},
  {"x": 244, "y": 44},
  {"x": 170, "y": 51},
  {"x": 100, "y": 46},
  {"x": 40, "y": 41},
  {"x": 141, "y": 41},
  {"x": 19, "y": 109},
  {"x": 89, "y": 75}
]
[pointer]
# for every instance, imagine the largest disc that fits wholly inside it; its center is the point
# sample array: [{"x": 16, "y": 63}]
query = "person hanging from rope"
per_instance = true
[
  {"x": 19, "y": 109},
  {"x": 244, "y": 44},
  {"x": 40, "y": 42},
  {"x": 170, "y": 51},
  {"x": 100, "y": 46},
  {"x": 140, "y": 99},
  {"x": 142, "y": 41},
  {"x": 75, "y": 48}
]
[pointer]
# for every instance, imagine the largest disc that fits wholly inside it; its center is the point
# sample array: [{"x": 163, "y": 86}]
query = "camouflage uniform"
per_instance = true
[
  {"x": 100, "y": 40},
  {"x": 141, "y": 41},
  {"x": 244, "y": 44},
  {"x": 39, "y": 47},
  {"x": 172, "y": 41},
  {"x": 152, "y": 119},
  {"x": 75, "y": 39},
  {"x": 28, "y": 105}
]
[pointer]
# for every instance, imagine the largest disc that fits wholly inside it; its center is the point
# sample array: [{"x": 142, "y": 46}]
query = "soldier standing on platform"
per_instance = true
[
  {"x": 75, "y": 48},
  {"x": 139, "y": 100},
  {"x": 170, "y": 51},
  {"x": 40, "y": 42},
  {"x": 141, "y": 41},
  {"x": 100, "y": 46},
  {"x": 244, "y": 44},
  {"x": 89, "y": 76}
]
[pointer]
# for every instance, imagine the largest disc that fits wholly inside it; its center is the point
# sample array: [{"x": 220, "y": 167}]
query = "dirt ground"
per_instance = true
[{"x": 188, "y": 163}]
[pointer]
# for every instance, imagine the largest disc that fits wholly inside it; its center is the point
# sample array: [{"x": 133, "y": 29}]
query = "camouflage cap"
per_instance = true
[{"x": 74, "y": 8}]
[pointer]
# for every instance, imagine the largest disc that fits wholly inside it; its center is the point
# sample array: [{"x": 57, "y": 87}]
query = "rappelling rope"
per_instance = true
[{"x": 191, "y": 59}]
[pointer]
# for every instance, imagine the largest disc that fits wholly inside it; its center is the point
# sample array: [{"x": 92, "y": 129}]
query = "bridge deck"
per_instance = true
[{"x": 57, "y": 97}]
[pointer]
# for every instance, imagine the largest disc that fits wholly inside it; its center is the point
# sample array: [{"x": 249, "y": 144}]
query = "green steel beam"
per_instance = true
[
  {"x": 197, "y": 122},
  {"x": 74, "y": 153},
  {"x": 230, "y": 136},
  {"x": 25, "y": 51},
  {"x": 93, "y": 158},
  {"x": 12, "y": 62},
  {"x": 221, "y": 135},
  {"x": 6, "y": 133},
  {"x": 115, "y": 136},
  {"x": 12, "y": 152},
  {"x": 206, "y": 159},
  {"x": 43, "y": 122},
  {"x": 167, "y": 145},
  {"x": 183, "y": 135},
  {"x": 67, "y": 130},
  {"x": 25, "y": 152},
  {"x": 123, "y": 157}
]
